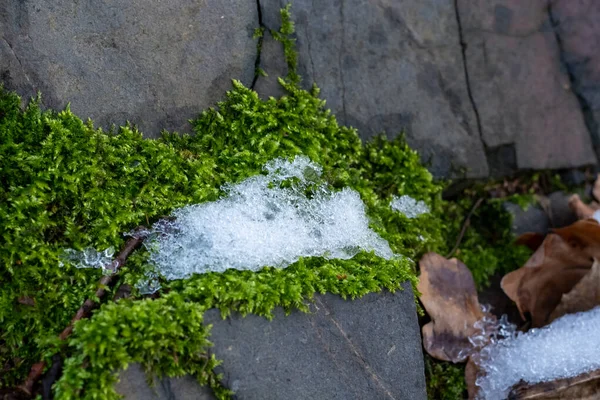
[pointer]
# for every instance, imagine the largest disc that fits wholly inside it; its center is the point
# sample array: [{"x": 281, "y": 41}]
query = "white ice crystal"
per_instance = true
[
  {"x": 265, "y": 220},
  {"x": 568, "y": 347},
  {"x": 88, "y": 258},
  {"x": 408, "y": 206}
]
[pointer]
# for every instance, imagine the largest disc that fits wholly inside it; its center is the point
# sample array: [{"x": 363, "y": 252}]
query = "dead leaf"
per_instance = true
[
  {"x": 584, "y": 296},
  {"x": 449, "y": 295},
  {"x": 584, "y": 236},
  {"x": 26, "y": 300},
  {"x": 472, "y": 371},
  {"x": 582, "y": 387},
  {"x": 551, "y": 271},
  {"x": 533, "y": 240}
]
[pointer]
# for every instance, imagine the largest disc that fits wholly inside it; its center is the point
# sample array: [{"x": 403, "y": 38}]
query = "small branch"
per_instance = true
[
  {"x": 465, "y": 225},
  {"x": 37, "y": 369}
]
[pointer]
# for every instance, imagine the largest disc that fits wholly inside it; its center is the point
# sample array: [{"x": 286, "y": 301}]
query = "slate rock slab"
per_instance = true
[
  {"x": 576, "y": 26},
  {"x": 387, "y": 66},
  {"x": 133, "y": 386},
  {"x": 156, "y": 64},
  {"x": 522, "y": 92},
  {"x": 369, "y": 348},
  {"x": 532, "y": 219}
]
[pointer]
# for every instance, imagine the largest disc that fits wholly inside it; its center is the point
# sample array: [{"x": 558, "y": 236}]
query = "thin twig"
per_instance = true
[
  {"x": 465, "y": 225},
  {"x": 37, "y": 369}
]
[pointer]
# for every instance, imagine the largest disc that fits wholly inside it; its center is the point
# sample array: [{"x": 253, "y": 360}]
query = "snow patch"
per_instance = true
[
  {"x": 408, "y": 206},
  {"x": 265, "y": 220},
  {"x": 568, "y": 347}
]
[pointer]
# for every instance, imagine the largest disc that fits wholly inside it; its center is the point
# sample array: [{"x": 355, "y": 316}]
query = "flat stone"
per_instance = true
[
  {"x": 561, "y": 214},
  {"x": 155, "y": 64},
  {"x": 369, "y": 348},
  {"x": 521, "y": 90},
  {"x": 388, "y": 67},
  {"x": 576, "y": 25},
  {"x": 532, "y": 219},
  {"x": 133, "y": 385}
]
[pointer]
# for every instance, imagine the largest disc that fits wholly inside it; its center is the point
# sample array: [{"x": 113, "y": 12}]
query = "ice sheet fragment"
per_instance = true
[
  {"x": 265, "y": 220},
  {"x": 408, "y": 206},
  {"x": 568, "y": 347},
  {"x": 88, "y": 258}
]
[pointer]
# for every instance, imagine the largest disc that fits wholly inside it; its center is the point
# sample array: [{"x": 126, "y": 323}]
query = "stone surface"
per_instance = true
[
  {"x": 533, "y": 219},
  {"x": 386, "y": 66},
  {"x": 560, "y": 213},
  {"x": 133, "y": 386},
  {"x": 576, "y": 26},
  {"x": 369, "y": 348},
  {"x": 156, "y": 64},
  {"x": 521, "y": 91}
]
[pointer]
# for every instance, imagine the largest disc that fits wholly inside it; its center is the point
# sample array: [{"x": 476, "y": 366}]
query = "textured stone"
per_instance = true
[
  {"x": 533, "y": 219},
  {"x": 576, "y": 26},
  {"x": 521, "y": 91},
  {"x": 386, "y": 66},
  {"x": 560, "y": 213},
  {"x": 369, "y": 348},
  {"x": 133, "y": 385},
  {"x": 156, "y": 64}
]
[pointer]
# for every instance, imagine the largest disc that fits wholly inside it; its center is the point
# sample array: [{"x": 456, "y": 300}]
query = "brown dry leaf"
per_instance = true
[
  {"x": 533, "y": 240},
  {"x": 471, "y": 373},
  {"x": 584, "y": 296},
  {"x": 584, "y": 236},
  {"x": 449, "y": 295},
  {"x": 582, "y": 387},
  {"x": 553, "y": 270}
]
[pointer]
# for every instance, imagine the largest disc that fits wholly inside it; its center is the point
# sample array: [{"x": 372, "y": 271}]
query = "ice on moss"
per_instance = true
[
  {"x": 408, "y": 206},
  {"x": 265, "y": 220},
  {"x": 568, "y": 347},
  {"x": 88, "y": 258}
]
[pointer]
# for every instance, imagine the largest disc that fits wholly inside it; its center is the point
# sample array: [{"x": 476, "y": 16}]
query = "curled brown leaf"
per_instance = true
[
  {"x": 449, "y": 295},
  {"x": 584, "y": 296},
  {"x": 553, "y": 270}
]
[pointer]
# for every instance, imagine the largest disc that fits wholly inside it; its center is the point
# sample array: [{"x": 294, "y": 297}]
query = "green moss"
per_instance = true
[
  {"x": 66, "y": 184},
  {"x": 445, "y": 381}
]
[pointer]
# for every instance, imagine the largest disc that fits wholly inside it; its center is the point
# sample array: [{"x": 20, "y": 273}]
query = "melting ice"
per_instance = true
[
  {"x": 409, "y": 206},
  {"x": 568, "y": 347},
  {"x": 271, "y": 219},
  {"x": 88, "y": 258}
]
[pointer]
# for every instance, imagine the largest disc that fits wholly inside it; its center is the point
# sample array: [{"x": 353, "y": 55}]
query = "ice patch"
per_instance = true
[
  {"x": 408, "y": 206},
  {"x": 265, "y": 220},
  {"x": 567, "y": 347},
  {"x": 88, "y": 258}
]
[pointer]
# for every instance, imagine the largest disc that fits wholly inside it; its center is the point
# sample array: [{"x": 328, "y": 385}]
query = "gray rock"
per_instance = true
[
  {"x": 369, "y": 348},
  {"x": 575, "y": 24},
  {"x": 560, "y": 213},
  {"x": 532, "y": 219},
  {"x": 133, "y": 385},
  {"x": 387, "y": 67},
  {"x": 156, "y": 64},
  {"x": 521, "y": 91}
]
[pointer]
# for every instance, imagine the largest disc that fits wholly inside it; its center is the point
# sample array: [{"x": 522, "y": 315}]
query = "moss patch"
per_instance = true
[{"x": 66, "y": 184}]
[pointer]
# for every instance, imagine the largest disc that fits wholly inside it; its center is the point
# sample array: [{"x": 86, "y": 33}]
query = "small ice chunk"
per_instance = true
[
  {"x": 568, "y": 347},
  {"x": 149, "y": 284},
  {"x": 265, "y": 220},
  {"x": 88, "y": 258},
  {"x": 408, "y": 206}
]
